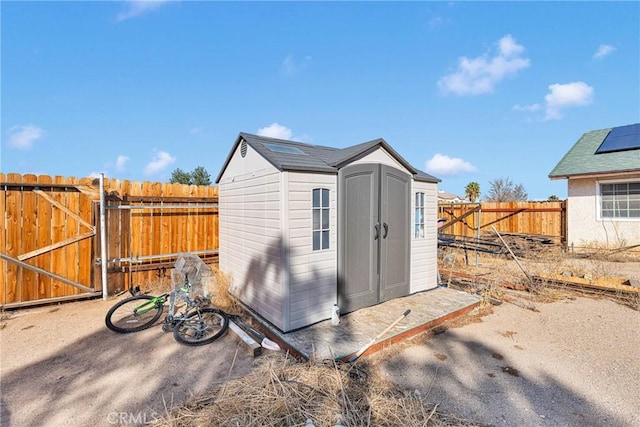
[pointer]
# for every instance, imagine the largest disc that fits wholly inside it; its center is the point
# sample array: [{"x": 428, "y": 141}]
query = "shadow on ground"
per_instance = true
[
  {"x": 103, "y": 378},
  {"x": 476, "y": 381}
]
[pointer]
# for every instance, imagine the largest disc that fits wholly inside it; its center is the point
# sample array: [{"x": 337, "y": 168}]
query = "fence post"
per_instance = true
[{"x": 103, "y": 241}]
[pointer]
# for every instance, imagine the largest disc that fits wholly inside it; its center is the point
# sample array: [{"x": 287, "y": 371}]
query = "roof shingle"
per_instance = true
[{"x": 582, "y": 159}]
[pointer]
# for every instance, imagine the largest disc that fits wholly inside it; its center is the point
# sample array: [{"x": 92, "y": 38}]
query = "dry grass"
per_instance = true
[
  {"x": 221, "y": 297},
  {"x": 281, "y": 391},
  {"x": 493, "y": 272},
  {"x": 216, "y": 285}
]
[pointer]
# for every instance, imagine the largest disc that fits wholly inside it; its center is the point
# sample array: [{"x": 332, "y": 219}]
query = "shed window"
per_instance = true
[
  {"x": 620, "y": 200},
  {"x": 321, "y": 224},
  {"x": 419, "y": 216}
]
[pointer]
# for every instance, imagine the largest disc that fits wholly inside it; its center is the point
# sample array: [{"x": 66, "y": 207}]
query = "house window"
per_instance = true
[
  {"x": 320, "y": 219},
  {"x": 620, "y": 200},
  {"x": 419, "y": 216}
]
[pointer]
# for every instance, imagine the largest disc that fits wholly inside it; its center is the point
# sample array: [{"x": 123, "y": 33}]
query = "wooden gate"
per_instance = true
[{"x": 48, "y": 236}]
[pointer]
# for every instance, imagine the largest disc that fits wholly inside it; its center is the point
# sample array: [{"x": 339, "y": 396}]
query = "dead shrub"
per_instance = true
[{"x": 283, "y": 392}]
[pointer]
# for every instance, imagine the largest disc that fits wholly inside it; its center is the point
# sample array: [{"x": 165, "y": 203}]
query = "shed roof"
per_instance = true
[
  {"x": 582, "y": 158},
  {"x": 300, "y": 156}
]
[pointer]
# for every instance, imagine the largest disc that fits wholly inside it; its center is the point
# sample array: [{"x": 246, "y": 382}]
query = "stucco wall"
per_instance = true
[{"x": 584, "y": 227}]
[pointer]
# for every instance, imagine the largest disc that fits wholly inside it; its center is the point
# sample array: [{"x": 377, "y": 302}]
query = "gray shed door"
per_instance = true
[{"x": 373, "y": 260}]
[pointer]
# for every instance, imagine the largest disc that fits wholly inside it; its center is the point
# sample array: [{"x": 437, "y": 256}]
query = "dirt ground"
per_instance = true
[
  {"x": 571, "y": 362},
  {"x": 61, "y": 366}
]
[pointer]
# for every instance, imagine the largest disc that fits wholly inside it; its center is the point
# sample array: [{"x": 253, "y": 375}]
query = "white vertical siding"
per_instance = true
[
  {"x": 585, "y": 229},
  {"x": 251, "y": 239},
  {"x": 424, "y": 251},
  {"x": 313, "y": 274}
]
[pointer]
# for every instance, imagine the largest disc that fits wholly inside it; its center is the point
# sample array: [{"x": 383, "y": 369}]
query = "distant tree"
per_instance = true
[
  {"x": 472, "y": 191},
  {"x": 553, "y": 198},
  {"x": 179, "y": 176},
  {"x": 199, "y": 176},
  {"x": 503, "y": 190}
]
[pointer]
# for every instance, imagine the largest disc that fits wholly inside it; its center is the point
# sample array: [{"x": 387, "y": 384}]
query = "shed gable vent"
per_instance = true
[{"x": 243, "y": 148}]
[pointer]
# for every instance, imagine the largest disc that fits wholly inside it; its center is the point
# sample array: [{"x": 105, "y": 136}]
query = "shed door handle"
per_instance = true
[
  {"x": 386, "y": 230},
  {"x": 377, "y": 227}
]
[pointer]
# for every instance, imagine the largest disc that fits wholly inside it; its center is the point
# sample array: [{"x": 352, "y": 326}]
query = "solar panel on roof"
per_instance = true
[
  {"x": 621, "y": 139},
  {"x": 278, "y": 148}
]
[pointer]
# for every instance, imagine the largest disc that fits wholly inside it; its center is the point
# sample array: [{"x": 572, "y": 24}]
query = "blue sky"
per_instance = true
[{"x": 467, "y": 91}]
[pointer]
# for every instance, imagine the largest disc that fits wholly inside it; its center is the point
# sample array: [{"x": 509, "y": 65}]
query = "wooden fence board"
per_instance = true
[
  {"x": 74, "y": 228},
  {"x": 179, "y": 224},
  {"x": 13, "y": 213},
  {"x": 29, "y": 282},
  {"x": 165, "y": 223},
  {"x": 156, "y": 219},
  {"x": 58, "y": 233},
  {"x": 44, "y": 239},
  {"x": 85, "y": 255},
  {"x": 146, "y": 223}
]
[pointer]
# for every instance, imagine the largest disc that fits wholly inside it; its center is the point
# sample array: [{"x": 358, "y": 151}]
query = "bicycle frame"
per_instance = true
[{"x": 181, "y": 293}]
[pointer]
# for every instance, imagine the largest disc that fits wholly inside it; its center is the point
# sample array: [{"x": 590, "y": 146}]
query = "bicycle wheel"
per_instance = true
[
  {"x": 202, "y": 326},
  {"x": 134, "y": 314}
]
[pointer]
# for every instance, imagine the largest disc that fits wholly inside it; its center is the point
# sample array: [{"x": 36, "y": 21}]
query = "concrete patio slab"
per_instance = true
[{"x": 325, "y": 341}]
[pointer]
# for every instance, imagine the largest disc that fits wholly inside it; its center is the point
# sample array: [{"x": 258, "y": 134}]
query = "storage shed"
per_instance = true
[{"x": 304, "y": 227}]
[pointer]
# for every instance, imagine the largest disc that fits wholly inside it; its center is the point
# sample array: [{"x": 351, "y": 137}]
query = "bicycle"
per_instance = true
[{"x": 197, "y": 324}]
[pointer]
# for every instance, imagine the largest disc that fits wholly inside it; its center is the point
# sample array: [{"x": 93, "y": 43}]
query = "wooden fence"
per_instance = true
[
  {"x": 536, "y": 218},
  {"x": 51, "y": 234}
]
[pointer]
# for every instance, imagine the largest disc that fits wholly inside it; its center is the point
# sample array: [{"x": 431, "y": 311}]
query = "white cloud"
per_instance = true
[
  {"x": 527, "y": 108},
  {"x": 23, "y": 137},
  {"x": 291, "y": 66},
  {"x": 275, "y": 130},
  {"x": 135, "y": 8},
  {"x": 480, "y": 75},
  {"x": 603, "y": 50},
  {"x": 441, "y": 164},
  {"x": 160, "y": 160},
  {"x": 120, "y": 162},
  {"x": 567, "y": 95}
]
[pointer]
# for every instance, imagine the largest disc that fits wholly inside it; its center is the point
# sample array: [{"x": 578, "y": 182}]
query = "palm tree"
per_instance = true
[{"x": 472, "y": 191}]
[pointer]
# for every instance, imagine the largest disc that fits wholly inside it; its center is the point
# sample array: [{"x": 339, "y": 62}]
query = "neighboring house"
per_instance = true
[
  {"x": 303, "y": 227},
  {"x": 445, "y": 197},
  {"x": 603, "y": 198}
]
